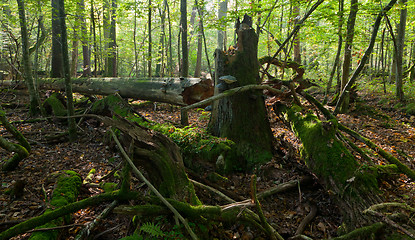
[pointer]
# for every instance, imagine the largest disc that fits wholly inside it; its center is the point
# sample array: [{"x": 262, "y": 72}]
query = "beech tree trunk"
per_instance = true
[
  {"x": 400, "y": 41},
  {"x": 348, "y": 51},
  {"x": 243, "y": 117},
  {"x": 34, "y": 95},
  {"x": 65, "y": 61},
  {"x": 57, "y": 64}
]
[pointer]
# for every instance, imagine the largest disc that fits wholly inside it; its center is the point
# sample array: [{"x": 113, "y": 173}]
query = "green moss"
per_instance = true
[
  {"x": 108, "y": 187},
  {"x": 196, "y": 143},
  {"x": 65, "y": 192},
  {"x": 410, "y": 108},
  {"x": 46, "y": 235},
  {"x": 67, "y": 189},
  {"x": 325, "y": 155},
  {"x": 54, "y": 104},
  {"x": 112, "y": 104}
]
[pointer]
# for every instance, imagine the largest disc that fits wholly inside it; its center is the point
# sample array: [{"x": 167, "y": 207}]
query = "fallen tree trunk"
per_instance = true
[
  {"x": 65, "y": 192},
  {"x": 354, "y": 188},
  {"x": 177, "y": 91}
]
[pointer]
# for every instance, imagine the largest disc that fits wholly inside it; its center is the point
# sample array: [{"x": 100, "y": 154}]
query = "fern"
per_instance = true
[{"x": 152, "y": 229}]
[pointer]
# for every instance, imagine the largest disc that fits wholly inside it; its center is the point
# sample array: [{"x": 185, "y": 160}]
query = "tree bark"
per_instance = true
[
  {"x": 347, "y": 59},
  {"x": 339, "y": 46},
  {"x": 86, "y": 66},
  {"x": 112, "y": 45},
  {"x": 185, "y": 51},
  {"x": 65, "y": 60},
  {"x": 57, "y": 64},
  {"x": 150, "y": 41},
  {"x": 365, "y": 55},
  {"x": 198, "y": 67},
  {"x": 33, "y": 94},
  {"x": 243, "y": 118},
  {"x": 222, "y": 12},
  {"x": 399, "y": 53}
]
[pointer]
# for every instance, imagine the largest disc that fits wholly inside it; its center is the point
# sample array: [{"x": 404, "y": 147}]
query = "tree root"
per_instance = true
[
  {"x": 361, "y": 233},
  {"x": 373, "y": 211}
]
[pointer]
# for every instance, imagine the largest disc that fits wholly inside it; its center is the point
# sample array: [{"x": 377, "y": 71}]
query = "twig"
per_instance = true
[
  {"x": 84, "y": 233},
  {"x": 230, "y": 92},
  {"x": 209, "y": 188},
  {"x": 54, "y": 228},
  {"x": 271, "y": 232},
  {"x": 389, "y": 222},
  {"x": 152, "y": 188}
]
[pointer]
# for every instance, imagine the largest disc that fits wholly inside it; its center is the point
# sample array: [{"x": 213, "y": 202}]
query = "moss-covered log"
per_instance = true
[
  {"x": 21, "y": 151},
  {"x": 354, "y": 187},
  {"x": 19, "y": 154},
  {"x": 389, "y": 157},
  {"x": 65, "y": 210},
  {"x": 157, "y": 154},
  {"x": 54, "y": 105},
  {"x": 242, "y": 118},
  {"x": 65, "y": 192}
]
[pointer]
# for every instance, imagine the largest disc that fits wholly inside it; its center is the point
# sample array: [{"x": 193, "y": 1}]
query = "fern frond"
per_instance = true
[{"x": 152, "y": 229}]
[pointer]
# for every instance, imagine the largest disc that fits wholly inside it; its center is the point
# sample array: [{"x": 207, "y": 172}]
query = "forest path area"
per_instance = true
[{"x": 390, "y": 129}]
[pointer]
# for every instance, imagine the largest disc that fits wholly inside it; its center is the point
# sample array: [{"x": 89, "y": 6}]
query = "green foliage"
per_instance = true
[{"x": 154, "y": 230}]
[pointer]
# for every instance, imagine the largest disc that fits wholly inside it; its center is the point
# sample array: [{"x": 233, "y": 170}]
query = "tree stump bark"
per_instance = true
[{"x": 242, "y": 117}]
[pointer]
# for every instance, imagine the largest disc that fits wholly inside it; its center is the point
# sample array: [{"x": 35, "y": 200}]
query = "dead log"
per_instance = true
[
  {"x": 354, "y": 188},
  {"x": 177, "y": 91},
  {"x": 65, "y": 192}
]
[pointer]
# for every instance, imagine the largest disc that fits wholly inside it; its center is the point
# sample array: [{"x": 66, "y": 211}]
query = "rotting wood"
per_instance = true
[{"x": 177, "y": 91}]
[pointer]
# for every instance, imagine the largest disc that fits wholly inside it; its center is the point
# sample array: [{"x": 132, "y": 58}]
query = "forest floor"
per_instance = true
[{"x": 391, "y": 129}]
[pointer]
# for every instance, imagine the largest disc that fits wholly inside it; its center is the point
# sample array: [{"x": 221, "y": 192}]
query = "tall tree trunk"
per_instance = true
[
  {"x": 400, "y": 41},
  {"x": 34, "y": 95},
  {"x": 94, "y": 39},
  {"x": 135, "y": 39},
  {"x": 339, "y": 46},
  {"x": 183, "y": 29},
  {"x": 74, "y": 57},
  {"x": 112, "y": 45},
  {"x": 57, "y": 65},
  {"x": 200, "y": 12},
  {"x": 354, "y": 7},
  {"x": 86, "y": 66},
  {"x": 222, "y": 12},
  {"x": 161, "y": 47},
  {"x": 383, "y": 60},
  {"x": 170, "y": 58},
  {"x": 149, "y": 39},
  {"x": 65, "y": 60},
  {"x": 199, "y": 51},
  {"x": 242, "y": 118},
  {"x": 296, "y": 39}
]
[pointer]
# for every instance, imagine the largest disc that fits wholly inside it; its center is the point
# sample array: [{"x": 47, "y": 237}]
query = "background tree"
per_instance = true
[
  {"x": 66, "y": 70},
  {"x": 57, "y": 65},
  {"x": 33, "y": 92},
  {"x": 354, "y": 7},
  {"x": 400, "y": 42},
  {"x": 183, "y": 28}
]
